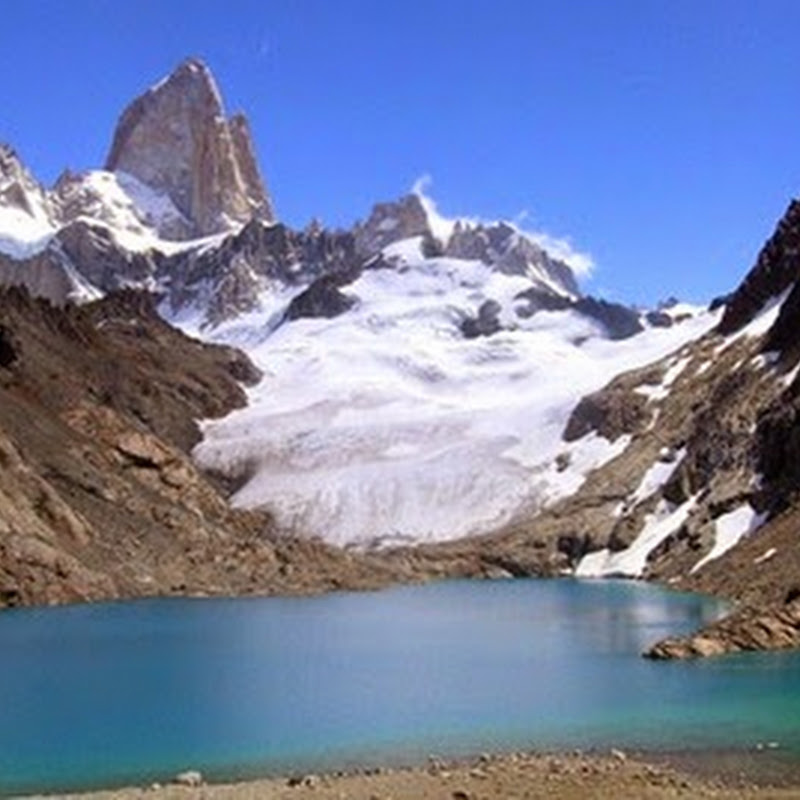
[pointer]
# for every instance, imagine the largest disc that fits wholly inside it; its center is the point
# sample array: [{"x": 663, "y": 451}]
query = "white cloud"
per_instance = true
[{"x": 582, "y": 264}]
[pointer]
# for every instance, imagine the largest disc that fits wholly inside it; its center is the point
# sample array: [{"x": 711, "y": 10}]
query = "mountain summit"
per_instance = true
[{"x": 175, "y": 138}]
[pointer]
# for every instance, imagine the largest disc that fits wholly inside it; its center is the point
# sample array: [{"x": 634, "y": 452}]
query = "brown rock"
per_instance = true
[{"x": 175, "y": 138}]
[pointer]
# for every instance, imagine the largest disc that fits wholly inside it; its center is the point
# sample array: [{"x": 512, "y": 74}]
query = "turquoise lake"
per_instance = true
[{"x": 134, "y": 692}]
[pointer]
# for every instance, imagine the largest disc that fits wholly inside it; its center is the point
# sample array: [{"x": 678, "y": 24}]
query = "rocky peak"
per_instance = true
[
  {"x": 392, "y": 222},
  {"x": 175, "y": 138},
  {"x": 19, "y": 190},
  {"x": 510, "y": 251}
]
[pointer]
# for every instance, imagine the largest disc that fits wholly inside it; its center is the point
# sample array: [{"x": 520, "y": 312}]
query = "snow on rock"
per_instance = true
[
  {"x": 26, "y": 224},
  {"x": 761, "y": 323},
  {"x": 387, "y": 424},
  {"x": 730, "y": 529},
  {"x": 23, "y": 235},
  {"x": 655, "y": 477},
  {"x": 765, "y": 556},
  {"x": 138, "y": 217},
  {"x": 661, "y": 390},
  {"x": 631, "y": 562}
]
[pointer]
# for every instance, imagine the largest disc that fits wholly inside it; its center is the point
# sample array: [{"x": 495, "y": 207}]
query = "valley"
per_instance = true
[{"x": 421, "y": 397}]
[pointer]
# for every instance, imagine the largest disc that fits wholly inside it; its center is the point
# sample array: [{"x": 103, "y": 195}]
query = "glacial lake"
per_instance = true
[{"x": 135, "y": 692}]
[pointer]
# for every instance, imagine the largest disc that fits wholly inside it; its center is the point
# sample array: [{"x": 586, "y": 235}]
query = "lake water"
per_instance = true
[{"x": 134, "y": 692}]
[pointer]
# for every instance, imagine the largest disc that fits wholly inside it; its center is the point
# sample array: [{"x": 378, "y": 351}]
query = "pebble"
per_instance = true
[{"x": 191, "y": 777}]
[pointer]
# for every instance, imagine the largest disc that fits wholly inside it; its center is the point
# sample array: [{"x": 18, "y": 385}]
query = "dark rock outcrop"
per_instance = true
[
  {"x": 486, "y": 323},
  {"x": 754, "y": 628},
  {"x": 619, "y": 321},
  {"x": 775, "y": 270},
  {"x": 608, "y": 413},
  {"x": 321, "y": 299}
]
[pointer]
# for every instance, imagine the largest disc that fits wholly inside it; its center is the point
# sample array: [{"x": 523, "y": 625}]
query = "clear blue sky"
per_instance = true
[{"x": 661, "y": 136}]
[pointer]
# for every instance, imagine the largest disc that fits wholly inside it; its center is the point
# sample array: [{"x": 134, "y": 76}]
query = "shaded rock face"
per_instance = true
[
  {"x": 777, "y": 440},
  {"x": 619, "y": 321},
  {"x": 486, "y": 323},
  {"x": 175, "y": 138},
  {"x": 776, "y": 269},
  {"x": 322, "y": 299},
  {"x": 226, "y": 280}
]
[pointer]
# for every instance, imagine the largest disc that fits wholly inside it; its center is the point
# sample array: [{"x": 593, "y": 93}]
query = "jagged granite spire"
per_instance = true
[{"x": 175, "y": 138}]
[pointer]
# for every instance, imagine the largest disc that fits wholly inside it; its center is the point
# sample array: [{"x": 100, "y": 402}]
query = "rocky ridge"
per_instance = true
[{"x": 180, "y": 208}]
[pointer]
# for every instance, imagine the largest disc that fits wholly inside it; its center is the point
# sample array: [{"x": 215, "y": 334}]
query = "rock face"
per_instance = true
[
  {"x": 392, "y": 222},
  {"x": 175, "y": 138},
  {"x": 322, "y": 299},
  {"x": 775, "y": 270},
  {"x": 227, "y": 280},
  {"x": 513, "y": 253}
]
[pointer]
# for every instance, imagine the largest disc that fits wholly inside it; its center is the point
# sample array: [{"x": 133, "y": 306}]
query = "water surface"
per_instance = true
[{"x": 133, "y": 692}]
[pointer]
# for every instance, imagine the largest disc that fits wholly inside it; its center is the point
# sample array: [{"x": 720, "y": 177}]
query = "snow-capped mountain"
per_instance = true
[
  {"x": 388, "y": 423},
  {"x": 423, "y": 380},
  {"x": 419, "y": 370}
]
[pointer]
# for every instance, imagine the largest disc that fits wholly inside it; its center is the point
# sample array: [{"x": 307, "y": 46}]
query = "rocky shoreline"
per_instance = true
[{"x": 555, "y": 776}]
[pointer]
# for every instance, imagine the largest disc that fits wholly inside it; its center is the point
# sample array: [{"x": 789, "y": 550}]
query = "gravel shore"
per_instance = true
[{"x": 553, "y": 776}]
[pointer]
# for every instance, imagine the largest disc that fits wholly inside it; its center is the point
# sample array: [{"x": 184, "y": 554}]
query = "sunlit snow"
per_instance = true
[
  {"x": 386, "y": 424},
  {"x": 631, "y": 562},
  {"x": 729, "y": 529},
  {"x": 22, "y": 235}
]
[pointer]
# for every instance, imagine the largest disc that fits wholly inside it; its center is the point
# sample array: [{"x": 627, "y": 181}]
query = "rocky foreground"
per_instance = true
[{"x": 529, "y": 776}]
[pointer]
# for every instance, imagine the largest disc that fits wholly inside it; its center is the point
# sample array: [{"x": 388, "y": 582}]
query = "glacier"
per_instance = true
[{"x": 386, "y": 425}]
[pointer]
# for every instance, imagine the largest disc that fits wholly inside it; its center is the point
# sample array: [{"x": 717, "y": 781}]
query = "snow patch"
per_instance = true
[
  {"x": 631, "y": 562},
  {"x": 730, "y": 529},
  {"x": 655, "y": 477},
  {"x": 661, "y": 390},
  {"x": 765, "y": 556},
  {"x": 23, "y": 235}
]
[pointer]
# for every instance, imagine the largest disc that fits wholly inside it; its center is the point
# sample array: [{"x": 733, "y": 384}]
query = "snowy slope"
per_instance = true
[
  {"x": 138, "y": 217},
  {"x": 386, "y": 424}
]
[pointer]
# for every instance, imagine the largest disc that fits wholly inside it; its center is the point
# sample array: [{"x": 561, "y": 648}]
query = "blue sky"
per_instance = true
[{"x": 658, "y": 135}]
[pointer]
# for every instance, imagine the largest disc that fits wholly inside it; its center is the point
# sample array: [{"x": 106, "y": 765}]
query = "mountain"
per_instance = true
[
  {"x": 175, "y": 139},
  {"x": 437, "y": 397}
]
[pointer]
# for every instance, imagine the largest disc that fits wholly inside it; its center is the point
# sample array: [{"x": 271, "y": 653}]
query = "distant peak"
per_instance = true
[
  {"x": 174, "y": 138},
  {"x": 192, "y": 64}
]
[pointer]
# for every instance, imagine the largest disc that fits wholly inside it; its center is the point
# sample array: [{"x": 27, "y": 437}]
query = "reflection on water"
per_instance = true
[{"x": 129, "y": 692}]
